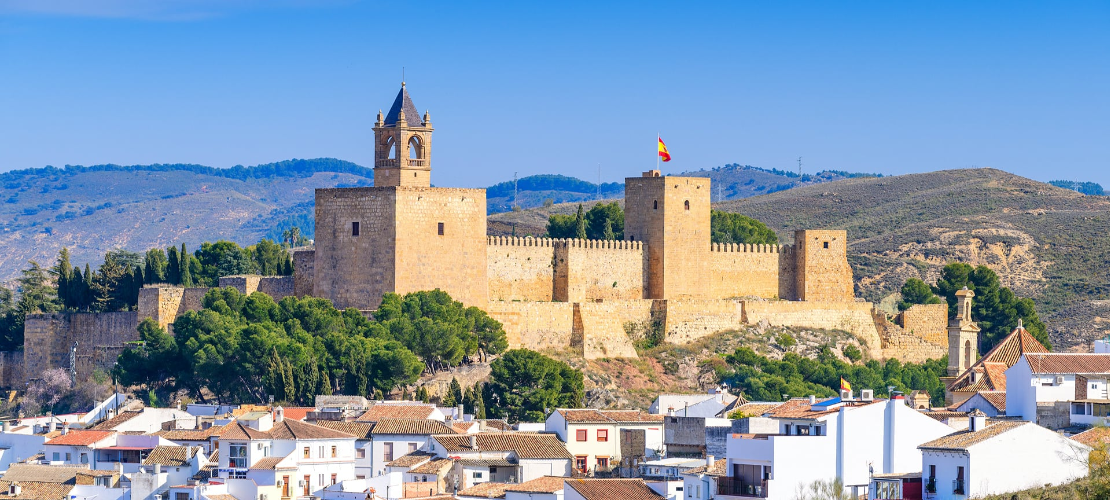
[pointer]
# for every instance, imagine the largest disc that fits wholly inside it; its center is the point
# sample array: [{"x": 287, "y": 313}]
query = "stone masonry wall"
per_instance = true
[
  {"x": 904, "y": 345},
  {"x": 277, "y": 287},
  {"x": 853, "y": 317},
  {"x": 686, "y": 320},
  {"x": 100, "y": 338},
  {"x": 304, "y": 272},
  {"x": 520, "y": 268},
  {"x": 535, "y": 325},
  {"x": 11, "y": 370},
  {"x": 823, "y": 273},
  {"x": 354, "y": 270},
  {"x": 588, "y": 270},
  {"x": 926, "y": 321},
  {"x": 739, "y": 270},
  {"x": 165, "y": 303},
  {"x": 599, "y": 327}
]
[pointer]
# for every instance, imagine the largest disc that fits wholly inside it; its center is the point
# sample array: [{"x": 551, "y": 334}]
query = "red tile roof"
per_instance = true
[
  {"x": 962, "y": 440},
  {"x": 484, "y": 490},
  {"x": 286, "y": 429},
  {"x": 383, "y": 410},
  {"x": 524, "y": 445},
  {"x": 997, "y": 399},
  {"x": 410, "y": 426},
  {"x": 115, "y": 421},
  {"x": 613, "y": 489},
  {"x": 1060, "y": 362},
  {"x": 297, "y": 412},
  {"x": 545, "y": 484},
  {"x": 1094, "y": 436},
  {"x": 81, "y": 438},
  {"x": 1005, "y": 354},
  {"x": 590, "y": 416},
  {"x": 360, "y": 430}
]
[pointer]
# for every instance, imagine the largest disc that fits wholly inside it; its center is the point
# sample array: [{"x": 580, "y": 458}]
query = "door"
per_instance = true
[
  {"x": 285, "y": 486},
  {"x": 307, "y": 481}
]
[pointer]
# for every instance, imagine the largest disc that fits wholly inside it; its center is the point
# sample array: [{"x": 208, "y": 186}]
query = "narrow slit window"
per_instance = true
[
  {"x": 826, "y": 244},
  {"x": 354, "y": 229},
  {"x": 441, "y": 229},
  {"x": 687, "y": 203},
  {"x": 655, "y": 205}
]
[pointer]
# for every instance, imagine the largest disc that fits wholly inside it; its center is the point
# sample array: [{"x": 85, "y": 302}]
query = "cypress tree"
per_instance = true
[
  {"x": 186, "y": 276},
  {"x": 87, "y": 288},
  {"x": 580, "y": 224},
  {"x": 64, "y": 274},
  {"x": 173, "y": 266}
]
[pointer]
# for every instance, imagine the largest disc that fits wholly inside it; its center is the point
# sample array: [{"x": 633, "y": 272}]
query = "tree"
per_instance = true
[
  {"x": 63, "y": 274},
  {"x": 454, "y": 395},
  {"x": 47, "y": 391},
  {"x": 155, "y": 266},
  {"x": 831, "y": 489},
  {"x": 37, "y": 293},
  {"x": 11, "y": 322},
  {"x": 996, "y": 308},
  {"x": 605, "y": 222},
  {"x": 525, "y": 385},
  {"x": 580, "y": 224},
  {"x": 184, "y": 268},
  {"x": 915, "y": 291},
  {"x": 726, "y": 227},
  {"x": 561, "y": 226},
  {"x": 173, "y": 266}
]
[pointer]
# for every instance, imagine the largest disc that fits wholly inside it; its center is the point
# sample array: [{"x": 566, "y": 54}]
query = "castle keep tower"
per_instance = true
[
  {"x": 403, "y": 145},
  {"x": 822, "y": 271},
  {"x": 670, "y": 215},
  {"x": 402, "y": 235},
  {"x": 963, "y": 336}
]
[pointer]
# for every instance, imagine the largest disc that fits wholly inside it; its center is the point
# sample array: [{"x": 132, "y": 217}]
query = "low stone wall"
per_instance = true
[
  {"x": 686, "y": 320},
  {"x": 534, "y": 325},
  {"x": 600, "y": 327},
  {"x": 929, "y": 322},
  {"x": 852, "y": 317},
  {"x": 277, "y": 287},
  {"x": 165, "y": 303}
]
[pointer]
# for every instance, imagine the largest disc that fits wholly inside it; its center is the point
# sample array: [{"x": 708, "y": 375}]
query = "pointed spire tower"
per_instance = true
[{"x": 402, "y": 145}]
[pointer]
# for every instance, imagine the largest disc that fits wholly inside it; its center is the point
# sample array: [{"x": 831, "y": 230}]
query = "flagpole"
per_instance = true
[{"x": 658, "y": 138}]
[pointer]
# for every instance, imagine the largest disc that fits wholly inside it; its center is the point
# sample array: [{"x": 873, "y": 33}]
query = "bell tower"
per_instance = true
[
  {"x": 963, "y": 335},
  {"x": 403, "y": 145}
]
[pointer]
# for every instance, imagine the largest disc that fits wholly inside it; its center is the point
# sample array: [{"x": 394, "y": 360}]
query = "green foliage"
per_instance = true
[
  {"x": 914, "y": 292},
  {"x": 728, "y": 227},
  {"x": 454, "y": 394},
  {"x": 525, "y": 386},
  {"x": 580, "y": 224},
  {"x": 1088, "y": 188},
  {"x": 786, "y": 341},
  {"x": 995, "y": 308},
  {"x": 438, "y": 329},
  {"x": 561, "y": 226},
  {"x": 762, "y": 379},
  {"x": 602, "y": 222},
  {"x": 852, "y": 353}
]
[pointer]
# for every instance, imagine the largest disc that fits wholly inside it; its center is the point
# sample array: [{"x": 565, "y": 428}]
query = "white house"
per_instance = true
[
  {"x": 401, "y": 409},
  {"x": 393, "y": 438},
  {"x": 822, "y": 440},
  {"x": 664, "y": 475},
  {"x": 289, "y": 456},
  {"x": 700, "y": 483},
  {"x": 992, "y": 458},
  {"x": 593, "y": 436},
  {"x": 147, "y": 420},
  {"x": 1042, "y": 379},
  {"x": 705, "y": 405},
  {"x": 501, "y": 457},
  {"x": 364, "y": 449},
  {"x": 78, "y": 447},
  {"x": 164, "y": 467}
]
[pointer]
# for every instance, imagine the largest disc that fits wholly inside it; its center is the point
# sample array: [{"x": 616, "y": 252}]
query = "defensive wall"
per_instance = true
[
  {"x": 100, "y": 338},
  {"x": 598, "y": 270},
  {"x": 742, "y": 270},
  {"x": 520, "y": 268}
]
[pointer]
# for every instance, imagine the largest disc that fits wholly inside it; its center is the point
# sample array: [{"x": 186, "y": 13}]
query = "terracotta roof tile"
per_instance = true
[
  {"x": 719, "y": 468},
  {"x": 409, "y": 411},
  {"x": 588, "y": 415},
  {"x": 545, "y": 484},
  {"x": 297, "y": 412},
  {"x": 524, "y": 445},
  {"x": 1007, "y": 353},
  {"x": 756, "y": 409},
  {"x": 411, "y": 460},
  {"x": 43, "y": 473},
  {"x": 410, "y": 426},
  {"x": 1060, "y": 362},
  {"x": 613, "y": 489},
  {"x": 37, "y": 491},
  {"x": 962, "y": 440},
  {"x": 115, "y": 421},
  {"x": 171, "y": 456},
  {"x": 484, "y": 490},
  {"x": 997, "y": 399},
  {"x": 268, "y": 463},
  {"x": 495, "y": 424},
  {"x": 800, "y": 408},
  {"x": 286, "y": 429},
  {"x": 81, "y": 438},
  {"x": 1094, "y": 436},
  {"x": 432, "y": 467},
  {"x": 360, "y": 430}
]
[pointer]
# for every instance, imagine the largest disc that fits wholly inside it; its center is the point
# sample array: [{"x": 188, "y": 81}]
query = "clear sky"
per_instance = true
[{"x": 559, "y": 87}]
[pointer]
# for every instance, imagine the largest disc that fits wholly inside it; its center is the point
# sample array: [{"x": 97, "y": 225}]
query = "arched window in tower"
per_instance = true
[
  {"x": 687, "y": 203},
  {"x": 967, "y": 353},
  {"x": 416, "y": 150},
  {"x": 655, "y": 205},
  {"x": 390, "y": 149}
]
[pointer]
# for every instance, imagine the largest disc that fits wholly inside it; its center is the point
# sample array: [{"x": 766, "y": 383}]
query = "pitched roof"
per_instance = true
[
  {"x": 1094, "y": 436},
  {"x": 410, "y": 426},
  {"x": 992, "y": 377},
  {"x": 403, "y": 101},
  {"x": 496, "y": 424},
  {"x": 613, "y": 489},
  {"x": 997, "y": 399},
  {"x": 589, "y": 416},
  {"x": 297, "y": 412},
  {"x": 80, "y": 438},
  {"x": 800, "y": 408},
  {"x": 432, "y": 467},
  {"x": 1067, "y": 362},
  {"x": 37, "y": 490},
  {"x": 523, "y": 444},
  {"x": 268, "y": 463},
  {"x": 42, "y": 473},
  {"x": 964, "y": 439},
  {"x": 286, "y": 429},
  {"x": 192, "y": 434},
  {"x": 115, "y": 421},
  {"x": 719, "y": 468},
  {"x": 545, "y": 484},
  {"x": 171, "y": 456},
  {"x": 412, "y": 459},
  {"x": 383, "y": 411},
  {"x": 360, "y": 430},
  {"x": 757, "y": 409},
  {"x": 484, "y": 490}
]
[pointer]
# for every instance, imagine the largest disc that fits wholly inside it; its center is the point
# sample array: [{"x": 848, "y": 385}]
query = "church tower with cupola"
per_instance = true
[{"x": 403, "y": 145}]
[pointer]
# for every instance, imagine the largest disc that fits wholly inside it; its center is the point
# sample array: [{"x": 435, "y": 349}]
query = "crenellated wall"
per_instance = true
[
  {"x": 599, "y": 270},
  {"x": 520, "y": 268},
  {"x": 277, "y": 287},
  {"x": 741, "y": 270}
]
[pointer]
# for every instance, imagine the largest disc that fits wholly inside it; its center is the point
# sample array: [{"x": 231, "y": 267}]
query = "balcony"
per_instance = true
[
  {"x": 733, "y": 486},
  {"x": 958, "y": 486}
]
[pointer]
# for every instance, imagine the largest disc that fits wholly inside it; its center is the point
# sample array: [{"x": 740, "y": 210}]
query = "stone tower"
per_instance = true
[
  {"x": 403, "y": 145},
  {"x": 670, "y": 215},
  {"x": 963, "y": 335},
  {"x": 402, "y": 235},
  {"x": 822, "y": 272}
]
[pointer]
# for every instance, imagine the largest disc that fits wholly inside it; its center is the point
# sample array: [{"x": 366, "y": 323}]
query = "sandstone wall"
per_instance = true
[
  {"x": 100, "y": 337},
  {"x": 534, "y": 325},
  {"x": 739, "y": 270},
  {"x": 853, "y": 317},
  {"x": 600, "y": 327},
  {"x": 823, "y": 273},
  {"x": 165, "y": 303},
  {"x": 11, "y": 370},
  {"x": 588, "y": 270},
  {"x": 277, "y": 287},
  {"x": 686, "y": 320},
  {"x": 904, "y": 345},
  {"x": 304, "y": 262},
  {"x": 354, "y": 270},
  {"x": 670, "y": 215},
  {"x": 928, "y": 322},
  {"x": 520, "y": 268}
]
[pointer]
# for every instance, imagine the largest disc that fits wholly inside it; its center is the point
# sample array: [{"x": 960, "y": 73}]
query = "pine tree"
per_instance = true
[
  {"x": 186, "y": 276},
  {"x": 580, "y": 224},
  {"x": 422, "y": 394},
  {"x": 454, "y": 393}
]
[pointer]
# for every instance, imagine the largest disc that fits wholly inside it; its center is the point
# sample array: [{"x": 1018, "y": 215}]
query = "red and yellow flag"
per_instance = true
[
  {"x": 844, "y": 385},
  {"x": 663, "y": 151}
]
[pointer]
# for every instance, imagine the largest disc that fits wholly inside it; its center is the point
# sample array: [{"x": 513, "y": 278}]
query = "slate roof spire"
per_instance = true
[{"x": 404, "y": 102}]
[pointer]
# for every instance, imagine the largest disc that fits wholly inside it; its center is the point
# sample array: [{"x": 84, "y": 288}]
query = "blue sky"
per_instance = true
[{"x": 559, "y": 87}]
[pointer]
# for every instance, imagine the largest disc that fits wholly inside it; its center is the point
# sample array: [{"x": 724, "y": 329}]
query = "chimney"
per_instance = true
[
  {"x": 52, "y": 426},
  {"x": 7, "y": 426},
  {"x": 473, "y": 442},
  {"x": 459, "y": 414},
  {"x": 65, "y": 428},
  {"x": 670, "y": 411},
  {"x": 157, "y": 468},
  {"x": 709, "y": 459},
  {"x": 976, "y": 420},
  {"x": 812, "y": 399},
  {"x": 279, "y": 415}
]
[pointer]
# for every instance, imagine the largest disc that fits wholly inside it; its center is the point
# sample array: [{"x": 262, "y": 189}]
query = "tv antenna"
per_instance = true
[{"x": 799, "y": 166}]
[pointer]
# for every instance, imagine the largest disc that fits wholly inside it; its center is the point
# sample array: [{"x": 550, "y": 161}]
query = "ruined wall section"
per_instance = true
[
  {"x": 520, "y": 268},
  {"x": 600, "y": 328},
  {"x": 304, "y": 272},
  {"x": 929, "y": 322},
  {"x": 823, "y": 273},
  {"x": 11, "y": 370},
  {"x": 588, "y": 270},
  {"x": 852, "y": 317},
  {"x": 165, "y": 303},
  {"x": 741, "y": 270},
  {"x": 100, "y": 337},
  {"x": 686, "y": 320},
  {"x": 535, "y": 325},
  {"x": 277, "y": 287}
]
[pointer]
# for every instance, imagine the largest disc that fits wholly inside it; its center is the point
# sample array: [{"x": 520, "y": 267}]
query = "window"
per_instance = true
[
  {"x": 655, "y": 205},
  {"x": 826, "y": 244},
  {"x": 387, "y": 452},
  {"x": 412, "y": 447},
  {"x": 333, "y": 478},
  {"x": 580, "y": 435},
  {"x": 321, "y": 455},
  {"x": 477, "y": 475},
  {"x": 105, "y": 481},
  {"x": 57, "y": 456},
  {"x": 580, "y": 463},
  {"x": 354, "y": 229},
  {"x": 237, "y": 456},
  {"x": 69, "y": 457},
  {"x": 333, "y": 453},
  {"x": 441, "y": 229},
  {"x": 181, "y": 496},
  {"x": 602, "y": 435},
  {"x": 360, "y": 453},
  {"x": 84, "y": 458},
  {"x": 687, "y": 204},
  {"x": 602, "y": 462},
  {"x": 307, "y": 453},
  {"x": 321, "y": 483}
]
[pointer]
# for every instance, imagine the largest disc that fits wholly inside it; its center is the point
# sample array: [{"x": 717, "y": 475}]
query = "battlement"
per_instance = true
[
  {"x": 517, "y": 241},
  {"x": 746, "y": 248},
  {"x": 600, "y": 244}
]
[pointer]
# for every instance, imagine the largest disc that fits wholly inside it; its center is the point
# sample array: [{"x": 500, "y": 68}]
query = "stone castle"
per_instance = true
[{"x": 403, "y": 235}]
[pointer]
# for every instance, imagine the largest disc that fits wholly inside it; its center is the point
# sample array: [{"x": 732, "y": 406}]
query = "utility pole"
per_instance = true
[
  {"x": 799, "y": 166},
  {"x": 599, "y": 181},
  {"x": 514, "y": 190},
  {"x": 720, "y": 195}
]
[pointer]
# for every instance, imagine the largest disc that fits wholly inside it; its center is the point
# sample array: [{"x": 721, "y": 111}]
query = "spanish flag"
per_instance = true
[
  {"x": 663, "y": 151},
  {"x": 844, "y": 385}
]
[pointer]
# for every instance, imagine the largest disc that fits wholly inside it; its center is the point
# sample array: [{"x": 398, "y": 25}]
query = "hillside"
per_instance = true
[{"x": 92, "y": 210}]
